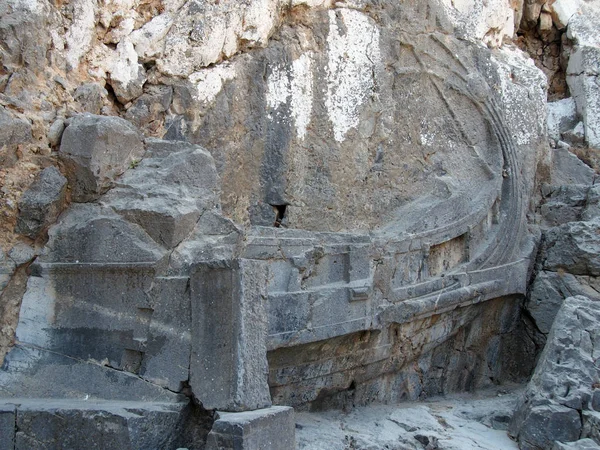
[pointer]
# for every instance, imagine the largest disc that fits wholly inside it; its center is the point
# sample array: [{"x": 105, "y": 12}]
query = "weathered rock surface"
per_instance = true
[
  {"x": 581, "y": 444},
  {"x": 113, "y": 425},
  {"x": 41, "y": 204},
  {"x": 548, "y": 292},
  {"x": 564, "y": 380},
  {"x": 562, "y": 116},
  {"x": 167, "y": 192},
  {"x": 567, "y": 168},
  {"x": 95, "y": 150},
  {"x": 395, "y": 151},
  {"x": 574, "y": 247},
  {"x": 584, "y": 68}
]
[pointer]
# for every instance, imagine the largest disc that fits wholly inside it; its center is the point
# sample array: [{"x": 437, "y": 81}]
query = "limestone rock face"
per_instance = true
[
  {"x": 584, "y": 68},
  {"x": 95, "y": 150},
  {"x": 565, "y": 379},
  {"x": 309, "y": 203}
]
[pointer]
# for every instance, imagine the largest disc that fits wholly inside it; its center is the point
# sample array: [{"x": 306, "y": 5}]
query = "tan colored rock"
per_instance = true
[{"x": 545, "y": 23}]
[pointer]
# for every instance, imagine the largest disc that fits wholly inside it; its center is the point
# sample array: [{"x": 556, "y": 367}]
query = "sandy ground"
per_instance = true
[{"x": 455, "y": 422}]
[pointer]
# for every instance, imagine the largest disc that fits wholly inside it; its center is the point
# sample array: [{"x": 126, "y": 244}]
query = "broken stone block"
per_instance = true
[
  {"x": 168, "y": 191},
  {"x": 562, "y": 384},
  {"x": 41, "y": 204},
  {"x": 75, "y": 424},
  {"x": 591, "y": 425},
  {"x": 547, "y": 294},
  {"x": 154, "y": 101},
  {"x": 545, "y": 23},
  {"x": 544, "y": 425},
  {"x": 562, "y": 116},
  {"x": 90, "y": 233},
  {"x": 95, "y": 150},
  {"x": 229, "y": 354},
  {"x": 576, "y": 135},
  {"x": 569, "y": 169},
  {"x": 271, "y": 428},
  {"x": 127, "y": 76},
  {"x": 574, "y": 247}
]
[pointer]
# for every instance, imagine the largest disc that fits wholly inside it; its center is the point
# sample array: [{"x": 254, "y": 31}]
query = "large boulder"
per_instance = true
[
  {"x": 41, "y": 204},
  {"x": 564, "y": 383},
  {"x": 95, "y": 150}
]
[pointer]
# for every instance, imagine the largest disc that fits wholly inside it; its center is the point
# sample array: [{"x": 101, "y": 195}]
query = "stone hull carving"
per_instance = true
[{"x": 400, "y": 178}]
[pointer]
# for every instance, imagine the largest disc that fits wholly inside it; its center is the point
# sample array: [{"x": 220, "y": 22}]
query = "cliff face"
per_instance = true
[{"x": 302, "y": 203}]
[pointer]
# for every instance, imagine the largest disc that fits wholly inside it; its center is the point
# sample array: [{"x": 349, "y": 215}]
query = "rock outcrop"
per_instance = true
[
  {"x": 272, "y": 203},
  {"x": 558, "y": 404}
]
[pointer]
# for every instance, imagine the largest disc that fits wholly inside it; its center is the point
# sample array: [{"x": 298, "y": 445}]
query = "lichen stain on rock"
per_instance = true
[{"x": 353, "y": 60}]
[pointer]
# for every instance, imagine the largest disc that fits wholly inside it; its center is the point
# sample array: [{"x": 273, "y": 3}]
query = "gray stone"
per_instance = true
[
  {"x": 167, "y": 354},
  {"x": 60, "y": 424},
  {"x": 92, "y": 234},
  {"x": 264, "y": 429},
  {"x": 561, "y": 386},
  {"x": 150, "y": 105},
  {"x": 229, "y": 365},
  {"x": 564, "y": 203},
  {"x": 41, "y": 203},
  {"x": 13, "y": 130},
  {"x": 584, "y": 69},
  {"x": 547, "y": 294},
  {"x": 581, "y": 444},
  {"x": 167, "y": 191},
  {"x": 592, "y": 206},
  {"x": 95, "y": 150},
  {"x": 576, "y": 136},
  {"x": 562, "y": 116},
  {"x": 7, "y": 427},
  {"x": 591, "y": 425},
  {"x": 55, "y": 132},
  {"x": 90, "y": 97},
  {"x": 569, "y": 169},
  {"x": 574, "y": 247},
  {"x": 21, "y": 253}
]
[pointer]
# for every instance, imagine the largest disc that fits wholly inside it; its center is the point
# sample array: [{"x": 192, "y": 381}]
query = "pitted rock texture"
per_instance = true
[{"x": 560, "y": 392}]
